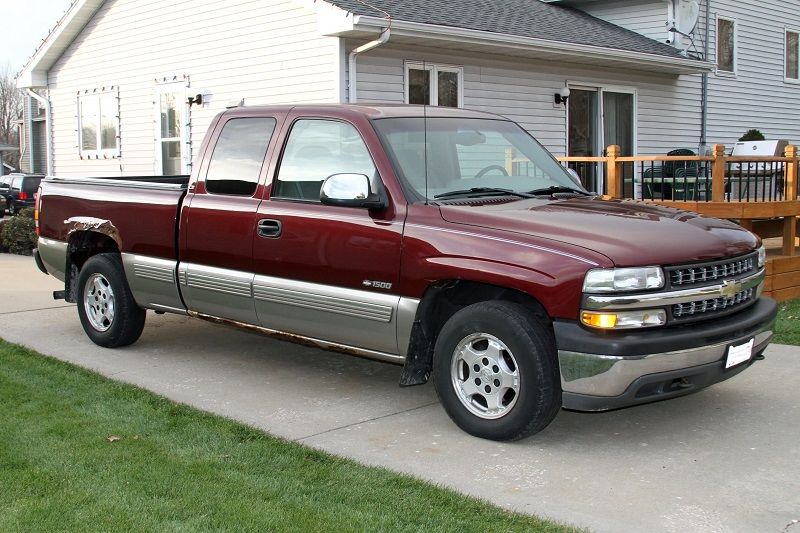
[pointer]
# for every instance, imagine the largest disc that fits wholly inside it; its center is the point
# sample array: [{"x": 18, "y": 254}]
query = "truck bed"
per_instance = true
[{"x": 143, "y": 209}]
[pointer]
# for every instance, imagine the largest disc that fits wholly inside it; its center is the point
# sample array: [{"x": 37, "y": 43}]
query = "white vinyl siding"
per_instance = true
[
  {"x": 668, "y": 107},
  {"x": 265, "y": 52}
]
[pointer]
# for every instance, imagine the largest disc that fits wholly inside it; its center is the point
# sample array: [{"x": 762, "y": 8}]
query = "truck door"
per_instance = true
[
  {"x": 218, "y": 219},
  {"x": 327, "y": 272}
]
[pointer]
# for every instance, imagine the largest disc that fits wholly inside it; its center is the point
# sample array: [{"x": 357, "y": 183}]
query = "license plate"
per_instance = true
[{"x": 739, "y": 354}]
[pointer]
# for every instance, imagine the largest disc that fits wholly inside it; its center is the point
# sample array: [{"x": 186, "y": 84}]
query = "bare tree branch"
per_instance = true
[{"x": 11, "y": 103}]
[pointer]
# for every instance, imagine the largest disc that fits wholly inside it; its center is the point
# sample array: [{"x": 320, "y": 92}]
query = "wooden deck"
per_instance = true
[{"x": 783, "y": 273}]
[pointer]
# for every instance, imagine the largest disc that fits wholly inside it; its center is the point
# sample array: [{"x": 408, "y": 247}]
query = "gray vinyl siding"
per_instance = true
[
  {"x": 757, "y": 96},
  {"x": 668, "y": 107},
  {"x": 647, "y": 17},
  {"x": 262, "y": 51}
]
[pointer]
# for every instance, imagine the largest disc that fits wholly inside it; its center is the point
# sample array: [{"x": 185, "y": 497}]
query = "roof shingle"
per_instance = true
[{"x": 522, "y": 18}]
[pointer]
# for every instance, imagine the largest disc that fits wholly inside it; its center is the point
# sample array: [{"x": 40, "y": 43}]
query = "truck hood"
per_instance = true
[{"x": 629, "y": 233}]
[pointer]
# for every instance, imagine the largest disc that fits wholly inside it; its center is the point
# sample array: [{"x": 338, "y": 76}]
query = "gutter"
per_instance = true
[
  {"x": 49, "y": 138},
  {"x": 352, "y": 93},
  {"x": 553, "y": 48},
  {"x": 704, "y": 102}
]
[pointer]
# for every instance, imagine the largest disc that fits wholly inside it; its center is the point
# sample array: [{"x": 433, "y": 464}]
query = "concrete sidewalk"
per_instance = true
[{"x": 726, "y": 459}]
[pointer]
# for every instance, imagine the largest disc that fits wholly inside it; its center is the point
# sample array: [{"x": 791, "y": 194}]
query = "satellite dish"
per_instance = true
[{"x": 687, "y": 15}]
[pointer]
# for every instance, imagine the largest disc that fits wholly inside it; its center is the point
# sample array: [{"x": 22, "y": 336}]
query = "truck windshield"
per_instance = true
[{"x": 469, "y": 157}]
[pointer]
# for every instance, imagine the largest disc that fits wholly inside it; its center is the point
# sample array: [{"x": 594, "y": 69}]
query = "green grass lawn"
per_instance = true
[
  {"x": 176, "y": 468},
  {"x": 787, "y": 329}
]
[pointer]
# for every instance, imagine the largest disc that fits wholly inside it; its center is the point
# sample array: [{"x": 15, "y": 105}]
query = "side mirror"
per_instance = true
[{"x": 350, "y": 190}]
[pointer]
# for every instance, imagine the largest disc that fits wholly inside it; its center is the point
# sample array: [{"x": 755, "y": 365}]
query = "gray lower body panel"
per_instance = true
[
  {"x": 153, "y": 282},
  {"x": 53, "y": 254}
]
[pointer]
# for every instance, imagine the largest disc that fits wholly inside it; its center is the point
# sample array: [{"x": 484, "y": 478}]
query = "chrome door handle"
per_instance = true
[{"x": 269, "y": 228}]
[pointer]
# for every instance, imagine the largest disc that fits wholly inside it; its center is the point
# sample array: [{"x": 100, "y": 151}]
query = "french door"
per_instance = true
[{"x": 597, "y": 118}]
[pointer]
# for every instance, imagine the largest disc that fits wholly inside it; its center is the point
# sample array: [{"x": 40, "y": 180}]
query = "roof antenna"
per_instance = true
[{"x": 425, "y": 127}]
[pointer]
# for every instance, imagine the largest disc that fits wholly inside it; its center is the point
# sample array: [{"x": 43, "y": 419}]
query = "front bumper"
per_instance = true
[{"x": 602, "y": 371}]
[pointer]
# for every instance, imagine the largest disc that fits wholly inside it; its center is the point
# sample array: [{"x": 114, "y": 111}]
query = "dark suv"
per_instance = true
[{"x": 19, "y": 191}]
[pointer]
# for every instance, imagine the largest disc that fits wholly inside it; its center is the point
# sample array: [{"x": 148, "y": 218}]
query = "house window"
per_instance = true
[
  {"x": 792, "y": 55},
  {"x": 439, "y": 85},
  {"x": 98, "y": 123},
  {"x": 726, "y": 45}
]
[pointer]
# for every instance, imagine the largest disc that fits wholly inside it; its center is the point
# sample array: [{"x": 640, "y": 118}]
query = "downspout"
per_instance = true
[
  {"x": 352, "y": 95},
  {"x": 49, "y": 138},
  {"x": 704, "y": 117}
]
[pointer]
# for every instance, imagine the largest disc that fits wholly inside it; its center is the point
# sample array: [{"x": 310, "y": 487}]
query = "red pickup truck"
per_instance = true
[{"x": 446, "y": 241}]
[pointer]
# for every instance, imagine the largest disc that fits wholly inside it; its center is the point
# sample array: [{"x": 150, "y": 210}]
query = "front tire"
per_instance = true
[
  {"x": 109, "y": 314},
  {"x": 495, "y": 371}
]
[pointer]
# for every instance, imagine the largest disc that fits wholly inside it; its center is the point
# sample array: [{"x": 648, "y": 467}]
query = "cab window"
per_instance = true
[
  {"x": 317, "y": 149},
  {"x": 235, "y": 165}
]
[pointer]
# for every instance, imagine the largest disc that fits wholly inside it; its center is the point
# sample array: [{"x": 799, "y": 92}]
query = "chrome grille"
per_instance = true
[
  {"x": 711, "y": 272},
  {"x": 715, "y": 305}
]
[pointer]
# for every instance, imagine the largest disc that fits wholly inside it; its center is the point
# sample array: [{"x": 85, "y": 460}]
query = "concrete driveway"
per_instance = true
[{"x": 726, "y": 459}]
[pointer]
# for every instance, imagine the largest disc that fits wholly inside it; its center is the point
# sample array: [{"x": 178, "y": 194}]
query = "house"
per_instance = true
[
  {"x": 32, "y": 129},
  {"x": 129, "y": 87}
]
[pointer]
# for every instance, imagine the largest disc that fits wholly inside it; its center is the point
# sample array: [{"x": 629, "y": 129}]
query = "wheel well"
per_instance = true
[
  {"x": 440, "y": 302},
  {"x": 83, "y": 245}
]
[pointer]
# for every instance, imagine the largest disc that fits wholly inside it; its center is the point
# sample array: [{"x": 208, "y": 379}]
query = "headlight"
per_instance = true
[
  {"x": 762, "y": 256},
  {"x": 646, "y": 318},
  {"x": 623, "y": 279}
]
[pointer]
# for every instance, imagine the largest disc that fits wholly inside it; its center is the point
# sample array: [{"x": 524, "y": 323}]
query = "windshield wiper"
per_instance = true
[
  {"x": 483, "y": 191},
  {"x": 554, "y": 189}
]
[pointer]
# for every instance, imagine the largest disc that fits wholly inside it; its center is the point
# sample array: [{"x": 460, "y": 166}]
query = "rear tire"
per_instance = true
[
  {"x": 12, "y": 209},
  {"x": 495, "y": 371},
  {"x": 109, "y": 314}
]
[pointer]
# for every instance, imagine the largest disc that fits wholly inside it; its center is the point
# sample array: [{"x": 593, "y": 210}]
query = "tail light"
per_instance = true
[
  {"x": 23, "y": 195},
  {"x": 36, "y": 206}
]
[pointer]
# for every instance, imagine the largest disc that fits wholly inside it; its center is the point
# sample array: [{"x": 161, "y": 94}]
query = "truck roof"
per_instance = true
[{"x": 370, "y": 111}]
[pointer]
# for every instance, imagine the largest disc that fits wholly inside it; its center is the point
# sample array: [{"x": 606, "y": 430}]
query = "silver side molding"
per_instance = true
[
  {"x": 153, "y": 282},
  {"x": 350, "y": 317}
]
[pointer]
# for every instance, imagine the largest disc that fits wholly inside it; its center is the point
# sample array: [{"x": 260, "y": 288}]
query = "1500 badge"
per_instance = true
[{"x": 377, "y": 284}]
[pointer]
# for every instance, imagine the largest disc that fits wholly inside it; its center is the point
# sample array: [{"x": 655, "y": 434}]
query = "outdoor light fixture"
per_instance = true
[
  {"x": 562, "y": 96},
  {"x": 196, "y": 100}
]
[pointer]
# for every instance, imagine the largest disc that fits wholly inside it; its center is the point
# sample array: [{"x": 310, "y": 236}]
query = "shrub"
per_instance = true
[
  {"x": 18, "y": 234},
  {"x": 752, "y": 135},
  {"x": 3, "y": 247}
]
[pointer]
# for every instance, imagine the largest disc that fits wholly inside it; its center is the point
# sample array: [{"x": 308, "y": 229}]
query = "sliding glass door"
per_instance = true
[{"x": 596, "y": 119}]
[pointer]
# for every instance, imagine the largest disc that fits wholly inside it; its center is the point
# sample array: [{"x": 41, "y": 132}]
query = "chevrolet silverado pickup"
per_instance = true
[{"x": 446, "y": 241}]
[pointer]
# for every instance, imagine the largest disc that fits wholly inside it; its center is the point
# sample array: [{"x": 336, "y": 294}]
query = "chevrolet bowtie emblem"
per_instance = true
[{"x": 730, "y": 288}]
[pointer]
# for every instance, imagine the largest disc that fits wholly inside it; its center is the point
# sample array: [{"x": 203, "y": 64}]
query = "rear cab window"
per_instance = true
[{"x": 238, "y": 157}]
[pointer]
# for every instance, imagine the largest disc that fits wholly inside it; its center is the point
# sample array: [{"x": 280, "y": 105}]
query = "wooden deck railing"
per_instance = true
[{"x": 760, "y": 193}]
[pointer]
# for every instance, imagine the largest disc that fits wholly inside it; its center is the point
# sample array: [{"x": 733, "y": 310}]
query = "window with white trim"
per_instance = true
[
  {"x": 431, "y": 84},
  {"x": 792, "y": 55},
  {"x": 98, "y": 123},
  {"x": 726, "y": 45}
]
